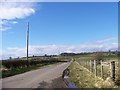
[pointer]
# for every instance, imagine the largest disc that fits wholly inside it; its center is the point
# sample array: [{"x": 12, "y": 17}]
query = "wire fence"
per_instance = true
[{"x": 101, "y": 68}]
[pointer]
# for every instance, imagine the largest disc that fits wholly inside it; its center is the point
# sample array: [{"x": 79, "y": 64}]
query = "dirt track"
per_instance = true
[{"x": 47, "y": 77}]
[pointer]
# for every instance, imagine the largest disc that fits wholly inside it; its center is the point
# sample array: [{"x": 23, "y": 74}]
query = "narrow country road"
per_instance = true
[{"x": 47, "y": 77}]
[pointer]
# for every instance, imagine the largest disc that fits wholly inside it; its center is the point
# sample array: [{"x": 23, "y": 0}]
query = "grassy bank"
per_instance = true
[
  {"x": 82, "y": 78},
  {"x": 15, "y": 71}
]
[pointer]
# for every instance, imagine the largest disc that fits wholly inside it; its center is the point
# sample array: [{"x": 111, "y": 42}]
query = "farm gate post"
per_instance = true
[
  {"x": 119, "y": 69},
  {"x": 102, "y": 69},
  {"x": 95, "y": 68},
  {"x": 90, "y": 65},
  {"x": 112, "y": 70}
]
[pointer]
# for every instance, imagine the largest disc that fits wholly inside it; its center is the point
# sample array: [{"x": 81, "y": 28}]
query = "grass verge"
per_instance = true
[{"x": 82, "y": 78}]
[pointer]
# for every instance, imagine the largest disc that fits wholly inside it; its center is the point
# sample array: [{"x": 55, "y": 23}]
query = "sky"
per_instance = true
[{"x": 57, "y": 27}]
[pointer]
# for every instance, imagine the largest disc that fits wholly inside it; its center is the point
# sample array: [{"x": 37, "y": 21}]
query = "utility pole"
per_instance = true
[
  {"x": 27, "y": 36},
  {"x": 118, "y": 67},
  {"x": 118, "y": 45}
]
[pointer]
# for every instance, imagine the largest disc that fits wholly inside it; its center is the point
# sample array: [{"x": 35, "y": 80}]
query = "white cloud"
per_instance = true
[
  {"x": 57, "y": 49},
  {"x": 107, "y": 39},
  {"x": 11, "y": 11},
  {"x": 4, "y": 24},
  {"x": 99, "y": 47},
  {"x": 5, "y": 28},
  {"x": 14, "y": 22},
  {"x": 14, "y": 10}
]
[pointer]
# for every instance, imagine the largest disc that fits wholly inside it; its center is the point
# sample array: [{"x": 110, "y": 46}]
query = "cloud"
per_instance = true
[
  {"x": 5, "y": 24},
  {"x": 99, "y": 45},
  {"x": 5, "y": 28},
  {"x": 107, "y": 39},
  {"x": 12, "y": 52},
  {"x": 15, "y": 10},
  {"x": 57, "y": 49},
  {"x": 11, "y": 11},
  {"x": 14, "y": 22}
]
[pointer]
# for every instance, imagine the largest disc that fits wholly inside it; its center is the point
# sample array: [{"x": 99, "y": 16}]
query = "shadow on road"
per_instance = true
[{"x": 56, "y": 83}]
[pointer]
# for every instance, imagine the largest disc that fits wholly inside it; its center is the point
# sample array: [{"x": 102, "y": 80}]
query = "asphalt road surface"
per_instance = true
[{"x": 47, "y": 77}]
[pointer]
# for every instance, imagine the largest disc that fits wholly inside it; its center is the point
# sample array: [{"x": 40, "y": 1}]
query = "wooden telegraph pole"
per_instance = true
[
  {"x": 118, "y": 44},
  {"x": 118, "y": 67},
  {"x": 27, "y": 36}
]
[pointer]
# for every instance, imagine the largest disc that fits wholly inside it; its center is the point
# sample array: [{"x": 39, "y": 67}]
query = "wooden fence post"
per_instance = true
[
  {"x": 112, "y": 70},
  {"x": 95, "y": 68},
  {"x": 119, "y": 69},
  {"x": 86, "y": 63},
  {"x": 90, "y": 66},
  {"x": 102, "y": 69}
]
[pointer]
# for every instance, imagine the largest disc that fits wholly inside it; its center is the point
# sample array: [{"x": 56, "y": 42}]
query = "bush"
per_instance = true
[
  {"x": 99, "y": 57},
  {"x": 11, "y": 64}
]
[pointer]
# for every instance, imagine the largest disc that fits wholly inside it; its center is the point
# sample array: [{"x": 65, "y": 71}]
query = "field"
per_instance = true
[{"x": 82, "y": 77}]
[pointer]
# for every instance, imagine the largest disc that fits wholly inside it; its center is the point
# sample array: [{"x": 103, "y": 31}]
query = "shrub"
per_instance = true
[
  {"x": 11, "y": 64},
  {"x": 98, "y": 57}
]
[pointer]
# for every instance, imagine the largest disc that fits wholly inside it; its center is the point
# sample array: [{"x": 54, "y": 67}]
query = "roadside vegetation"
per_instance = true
[
  {"x": 13, "y": 67},
  {"x": 82, "y": 78},
  {"x": 15, "y": 71}
]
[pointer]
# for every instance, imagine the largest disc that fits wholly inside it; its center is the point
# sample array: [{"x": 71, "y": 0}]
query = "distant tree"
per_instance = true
[
  {"x": 10, "y": 58},
  {"x": 45, "y": 55},
  {"x": 109, "y": 52},
  {"x": 67, "y": 54},
  {"x": 99, "y": 57}
]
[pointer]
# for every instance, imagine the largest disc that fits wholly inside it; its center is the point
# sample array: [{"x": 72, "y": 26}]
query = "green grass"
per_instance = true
[
  {"x": 83, "y": 58},
  {"x": 82, "y": 78},
  {"x": 106, "y": 71},
  {"x": 111, "y": 57},
  {"x": 92, "y": 56}
]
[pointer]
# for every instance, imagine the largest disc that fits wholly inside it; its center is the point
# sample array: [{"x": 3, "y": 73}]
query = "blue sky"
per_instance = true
[{"x": 68, "y": 27}]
